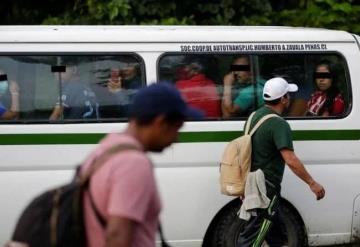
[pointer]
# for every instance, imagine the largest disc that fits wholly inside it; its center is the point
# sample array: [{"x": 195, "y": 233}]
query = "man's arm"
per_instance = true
[
  {"x": 119, "y": 232},
  {"x": 56, "y": 114},
  {"x": 227, "y": 106},
  {"x": 13, "y": 113},
  {"x": 299, "y": 169}
]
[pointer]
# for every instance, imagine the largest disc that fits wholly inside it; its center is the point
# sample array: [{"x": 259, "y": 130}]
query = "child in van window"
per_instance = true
[{"x": 327, "y": 99}]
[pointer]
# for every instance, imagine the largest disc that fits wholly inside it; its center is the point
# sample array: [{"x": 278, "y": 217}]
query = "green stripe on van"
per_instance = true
[
  {"x": 298, "y": 135},
  {"x": 185, "y": 137},
  {"x": 33, "y": 139}
]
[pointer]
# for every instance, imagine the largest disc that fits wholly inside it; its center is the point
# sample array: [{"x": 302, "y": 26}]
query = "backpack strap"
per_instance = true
[
  {"x": 99, "y": 161},
  {"x": 162, "y": 238},
  {"x": 261, "y": 121},
  {"x": 247, "y": 126},
  {"x": 94, "y": 166}
]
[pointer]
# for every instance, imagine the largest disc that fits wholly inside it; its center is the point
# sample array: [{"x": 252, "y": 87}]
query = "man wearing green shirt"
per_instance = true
[
  {"x": 272, "y": 148},
  {"x": 242, "y": 94}
]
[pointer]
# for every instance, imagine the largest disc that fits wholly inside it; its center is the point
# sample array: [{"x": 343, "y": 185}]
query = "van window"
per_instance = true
[
  {"x": 69, "y": 88},
  {"x": 229, "y": 86}
]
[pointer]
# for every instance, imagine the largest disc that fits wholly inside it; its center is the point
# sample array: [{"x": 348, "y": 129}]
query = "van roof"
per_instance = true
[{"x": 171, "y": 34}]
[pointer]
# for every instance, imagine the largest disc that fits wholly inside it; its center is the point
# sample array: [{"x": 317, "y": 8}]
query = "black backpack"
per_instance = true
[{"x": 55, "y": 218}]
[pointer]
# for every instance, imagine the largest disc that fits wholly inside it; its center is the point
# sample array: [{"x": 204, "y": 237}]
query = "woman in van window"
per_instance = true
[
  {"x": 327, "y": 99},
  {"x": 6, "y": 87}
]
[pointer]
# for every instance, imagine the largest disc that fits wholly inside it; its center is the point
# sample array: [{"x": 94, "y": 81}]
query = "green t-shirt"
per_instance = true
[
  {"x": 272, "y": 136},
  {"x": 246, "y": 97}
]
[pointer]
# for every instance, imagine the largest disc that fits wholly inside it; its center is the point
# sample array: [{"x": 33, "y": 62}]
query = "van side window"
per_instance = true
[
  {"x": 323, "y": 87},
  {"x": 68, "y": 88},
  {"x": 116, "y": 80},
  {"x": 197, "y": 78},
  {"x": 229, "y": 86}
]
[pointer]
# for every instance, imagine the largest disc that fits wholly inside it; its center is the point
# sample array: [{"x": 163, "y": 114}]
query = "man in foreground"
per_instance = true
[
  {"x": 124, "y": 190},
  {"x": 272, "y": 147}
]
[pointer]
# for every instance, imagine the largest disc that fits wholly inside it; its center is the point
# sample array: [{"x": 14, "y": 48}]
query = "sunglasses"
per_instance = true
[
  {"x": 235, "y": 67},
  {"x": 322, "y": 75}
]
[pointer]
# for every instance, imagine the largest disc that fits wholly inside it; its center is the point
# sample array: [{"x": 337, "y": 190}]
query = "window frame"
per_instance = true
[
  {"x": 135, "y": 55},
  {"x": 347, "y": 78}
]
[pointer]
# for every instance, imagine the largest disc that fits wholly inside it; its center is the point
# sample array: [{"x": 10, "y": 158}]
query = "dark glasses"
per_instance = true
[
  {"x": 235, "y": 67},
  {"x": 3, "y": 77},
  {"x": 322, "y": 75}
]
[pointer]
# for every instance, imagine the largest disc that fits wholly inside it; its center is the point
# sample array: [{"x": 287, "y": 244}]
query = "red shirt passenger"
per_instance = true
[
  {"x": 318, "y": 100},
  {"x": 198, "y": 90}
]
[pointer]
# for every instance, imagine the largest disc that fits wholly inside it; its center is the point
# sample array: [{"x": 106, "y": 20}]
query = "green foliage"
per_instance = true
[
  {"x": 119, "y": 12},
  {"x": 333, "y": 14},
  {"x": 93, "y": 12}
]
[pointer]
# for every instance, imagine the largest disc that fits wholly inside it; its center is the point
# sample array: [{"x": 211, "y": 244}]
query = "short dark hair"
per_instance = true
[
  {"x": 275, "y": 101},
  {"x": 247, "y": 57},
  {"x": 272, "y": 102}
]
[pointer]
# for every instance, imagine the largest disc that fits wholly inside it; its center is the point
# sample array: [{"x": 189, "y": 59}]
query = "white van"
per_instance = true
[{"x": 39, "y": 153}]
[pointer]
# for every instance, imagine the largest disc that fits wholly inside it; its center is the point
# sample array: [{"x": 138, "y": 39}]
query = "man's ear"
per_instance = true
[{"x": 159, "y": 120}]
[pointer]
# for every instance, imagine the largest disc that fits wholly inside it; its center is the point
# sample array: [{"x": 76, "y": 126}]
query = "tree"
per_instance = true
[
  {"x": 333, "y": 14},
  {"x": 120, "y": 12},
  {"x": 23, "y": 12}
]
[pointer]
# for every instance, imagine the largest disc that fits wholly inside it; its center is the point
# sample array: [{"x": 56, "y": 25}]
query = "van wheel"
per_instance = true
[{"x": 226, "y": 228}]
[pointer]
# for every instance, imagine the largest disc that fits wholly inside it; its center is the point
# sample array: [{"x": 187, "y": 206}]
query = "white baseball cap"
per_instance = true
[{"x": 277, "y": 87}]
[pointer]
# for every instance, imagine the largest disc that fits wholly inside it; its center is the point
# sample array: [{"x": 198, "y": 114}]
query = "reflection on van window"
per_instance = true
[
  {"x": 230, "y": 85},
  {"x": 68, "y": 87}
]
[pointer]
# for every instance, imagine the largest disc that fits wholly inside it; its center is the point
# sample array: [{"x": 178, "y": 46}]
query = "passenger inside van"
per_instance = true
[
  {"x": 9, "y": 98},
  {"x": 120, "y": 88},
  {"x": 327, "y": 99},
  {"x": 197, "y": 89},
  {"x": 77, "y": 100},
  {"x": 241, "y": 94}
]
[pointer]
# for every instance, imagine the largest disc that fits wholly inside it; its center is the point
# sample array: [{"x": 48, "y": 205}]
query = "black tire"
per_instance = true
[
  {"x": 226, "y": 226},
  {"x": 294, "y": 226}
]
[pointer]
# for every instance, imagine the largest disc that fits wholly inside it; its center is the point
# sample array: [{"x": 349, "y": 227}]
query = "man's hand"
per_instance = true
[
  {"x": 114, "y": 85},
  {"x": 298, "y": 168},
  {"x": 229, "y": 79},
  {"x": 317, "y": 189},
  {"x": 14, "y": 88}
]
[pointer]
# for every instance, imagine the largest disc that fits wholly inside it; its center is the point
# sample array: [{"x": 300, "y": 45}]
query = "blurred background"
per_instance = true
[{"x": 332, "y": 14}]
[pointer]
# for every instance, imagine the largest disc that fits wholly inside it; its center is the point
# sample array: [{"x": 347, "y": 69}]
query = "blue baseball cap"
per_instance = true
[{"x": 162, "y": 98}]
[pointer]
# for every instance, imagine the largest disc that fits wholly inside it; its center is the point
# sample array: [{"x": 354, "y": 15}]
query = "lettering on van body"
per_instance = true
[{"x": 253, "y": 47}]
